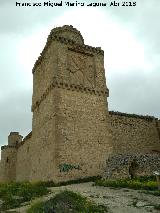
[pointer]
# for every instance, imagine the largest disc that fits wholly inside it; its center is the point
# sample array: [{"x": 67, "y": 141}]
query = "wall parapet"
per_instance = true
[
  {"x": 28, "y": 136},
  {"x": 8, "y": 146},
  {"x": 145, "y": 117},
  {"x": 25, "y": 139}
]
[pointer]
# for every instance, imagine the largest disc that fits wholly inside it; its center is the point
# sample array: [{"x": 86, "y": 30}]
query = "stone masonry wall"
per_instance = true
[
  {"x": 82, "y": 143},
  {"x": 71, "y": 127},
  {"x": 8, "y": 163},
  {"x": 23, "y": 164},
  {"x": 42, "y": 147},
  {"x": 69, "y": 101},
  {"x": 0, "y": 171},
  {"x": 134, "y": 134},
  {"x": 127, "y": 166}
]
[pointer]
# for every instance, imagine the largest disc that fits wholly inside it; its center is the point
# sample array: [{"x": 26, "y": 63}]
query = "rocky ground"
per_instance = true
[{"x": 117, "y": 200}]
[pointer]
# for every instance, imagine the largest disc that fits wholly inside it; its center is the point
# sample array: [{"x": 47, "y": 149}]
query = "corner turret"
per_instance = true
[
  {"x": 9, "y": 157},
  {"x": 14, "y": 138}
]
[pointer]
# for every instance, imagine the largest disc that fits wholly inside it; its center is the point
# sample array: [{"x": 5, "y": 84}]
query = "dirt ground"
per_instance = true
[{"x": 117, "y": 200}]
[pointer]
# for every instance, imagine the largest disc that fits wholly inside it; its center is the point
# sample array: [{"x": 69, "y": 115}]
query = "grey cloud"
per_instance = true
[
  {"x": 142, "y": 21},
  {"x": 11, "y": 71},
  {"x": 138, "y": 91},
  {"x": 135, "y": 92},
  {"x": 132, "y": 92},
  {"x": 24, "y": 20},
  {"x": 15, "y": 114}
]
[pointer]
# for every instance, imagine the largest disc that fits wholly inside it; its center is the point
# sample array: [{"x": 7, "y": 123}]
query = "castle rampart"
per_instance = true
[
  {"x": 134, "y": 133},
  {"x": 23, "y": 165}
]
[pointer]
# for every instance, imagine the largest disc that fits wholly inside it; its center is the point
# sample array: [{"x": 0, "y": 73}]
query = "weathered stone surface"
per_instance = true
[
  {"x": 72, "y": 132},
  {"x": 133, "y": 134},
  {"x": 70, "y": 136},
  {"x": 124, "y": 166}
]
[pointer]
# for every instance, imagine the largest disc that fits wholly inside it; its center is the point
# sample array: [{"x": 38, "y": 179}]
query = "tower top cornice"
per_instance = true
[{"x": 68, "y": 32}]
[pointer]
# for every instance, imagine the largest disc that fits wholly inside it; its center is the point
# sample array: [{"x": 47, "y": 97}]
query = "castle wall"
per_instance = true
[
  {"x": 82, "y": 140},
  {"x": 134, "y": 134},
  {"x": 8, "y": 163},
  {"x": 158, "y": 127},
  {"x": 129, "y": 166},
  {"x": 72, "y": 132},
  {"x": 43, "y": 139},
  {"x": 44, "y": 111},
  {"x": 44, "y": 72},
  {"x": 0, "y": 171},
  {"x": 23, "y": 160}
]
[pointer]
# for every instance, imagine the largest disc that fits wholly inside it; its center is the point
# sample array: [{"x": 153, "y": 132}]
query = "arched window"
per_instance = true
[{"x": 7, "y": 160}]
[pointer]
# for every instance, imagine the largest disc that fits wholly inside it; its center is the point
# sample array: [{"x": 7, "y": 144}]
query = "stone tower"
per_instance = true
[
  {"x": 70, "y": 110},
  {"x": 71, "y": 128},
  {"x": 9, "y": 157}
]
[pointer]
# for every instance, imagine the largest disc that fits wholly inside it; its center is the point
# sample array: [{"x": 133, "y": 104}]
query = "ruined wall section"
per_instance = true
[
  {"x": 23, "y": 159},
  {"x": 127, "y": 166},
  {"x": 134, "y": 134},
  {"x": 158, "y": 127}
]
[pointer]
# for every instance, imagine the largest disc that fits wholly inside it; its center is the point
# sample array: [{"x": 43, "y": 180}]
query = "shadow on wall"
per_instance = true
[{"x": 133, "y": 168}]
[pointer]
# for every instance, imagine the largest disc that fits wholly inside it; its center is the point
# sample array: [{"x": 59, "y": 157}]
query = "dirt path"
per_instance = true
[{"x": 117, "y": 200}]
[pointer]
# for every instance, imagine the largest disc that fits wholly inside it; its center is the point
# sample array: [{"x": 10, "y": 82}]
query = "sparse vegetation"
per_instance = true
[
  {"x": 139, "y": 183},
  {"x": 135, "y": 202},
  {"x": 157, "y": 207},
  {"x": 155, "y": 192},
  {"x": 66, "y": 202},
  {"x": 66, "y": 167},
  {"x": 14, "y": 194},
  {"x": 80, "y": 180}
]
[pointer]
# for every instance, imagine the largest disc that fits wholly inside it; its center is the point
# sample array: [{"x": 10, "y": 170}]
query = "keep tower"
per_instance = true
[{"x": 70, "y": 137}]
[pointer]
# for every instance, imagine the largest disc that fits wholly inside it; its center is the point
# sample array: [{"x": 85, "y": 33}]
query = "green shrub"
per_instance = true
[
  {"x": 36, "y": 207},
  {"x": 157, "y": 207},
  {"x": 155, "y": 193},
  {"x": 13, "y": 194},
  {"x": 25, "y": 191},
  {"x": 139, "y": 183},
  {"x": 66, "y": 202},
  {"x": 64, "y": 183}
]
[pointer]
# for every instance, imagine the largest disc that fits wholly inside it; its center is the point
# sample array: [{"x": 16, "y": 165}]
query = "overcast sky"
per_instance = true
[{"x": 129, "y": 37}]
